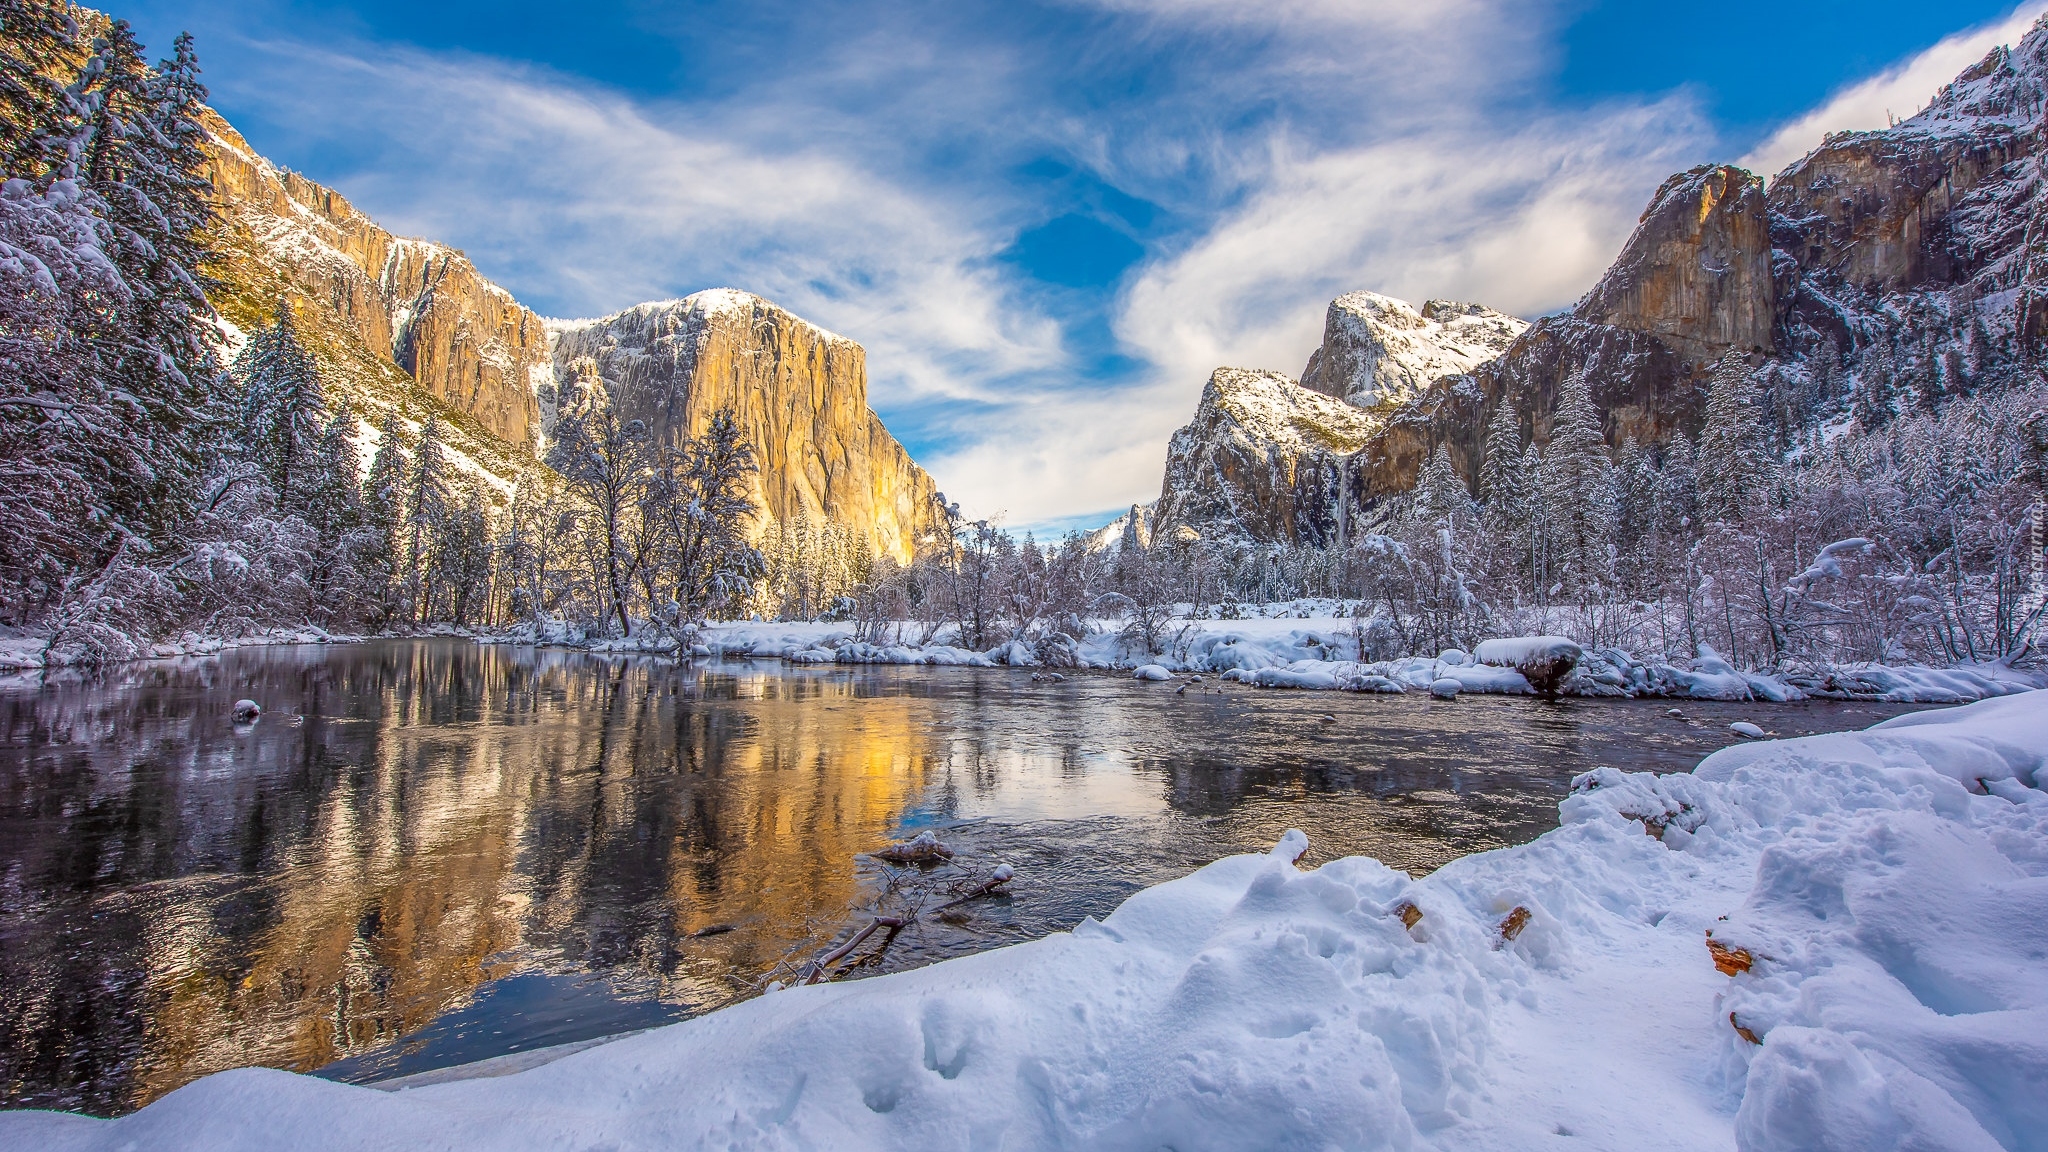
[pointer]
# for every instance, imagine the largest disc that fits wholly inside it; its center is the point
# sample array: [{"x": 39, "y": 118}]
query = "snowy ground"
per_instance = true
[
  {"x": 1881, "y": 899},
  {"x": 22, "y": 652},
  {"x": 1298, "y": 648}
]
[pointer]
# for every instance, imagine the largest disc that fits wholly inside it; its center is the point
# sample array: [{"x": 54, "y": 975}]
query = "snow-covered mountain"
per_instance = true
[
  {"x": 1379, "y": 350},
  {"x": 800, "y": 393},
  {"x": 1885, "y": 269},
  {"x": 412, "y": 325}
]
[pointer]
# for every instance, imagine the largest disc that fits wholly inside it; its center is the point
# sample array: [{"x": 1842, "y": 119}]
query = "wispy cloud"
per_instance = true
[{"x": 1893, "y": 94}]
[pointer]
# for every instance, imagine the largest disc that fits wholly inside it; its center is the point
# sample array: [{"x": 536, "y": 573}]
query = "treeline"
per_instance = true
[{"x": 1902, "y": 525}]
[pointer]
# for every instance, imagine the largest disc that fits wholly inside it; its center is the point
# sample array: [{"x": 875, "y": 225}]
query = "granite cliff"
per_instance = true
[{"x": 800, "y": 392}]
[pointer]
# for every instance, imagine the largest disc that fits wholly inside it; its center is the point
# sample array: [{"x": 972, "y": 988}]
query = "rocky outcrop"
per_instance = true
[
  {"x": 1379, "y": 350},
  {"x": 1696, "y": 273},
  {"x": 1263, "y": 460},
  {"x": 423, "y": 307},
  {"x": 800, "y": 393}
]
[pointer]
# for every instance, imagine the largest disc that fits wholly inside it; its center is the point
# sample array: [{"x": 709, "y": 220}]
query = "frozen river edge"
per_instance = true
[{"x": 1878, "y": 903}]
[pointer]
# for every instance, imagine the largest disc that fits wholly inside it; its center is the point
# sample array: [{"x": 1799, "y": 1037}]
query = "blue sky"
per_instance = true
[{"x": 1048, "y": 221}]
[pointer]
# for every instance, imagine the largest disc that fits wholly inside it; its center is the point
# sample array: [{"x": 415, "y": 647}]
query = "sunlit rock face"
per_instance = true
[
  {"x": 1260, "y": 462},
  {"x": 1379, "y": 350},
  {"x": 800, "y": 393},
  {"x": 421, "y": 306}
]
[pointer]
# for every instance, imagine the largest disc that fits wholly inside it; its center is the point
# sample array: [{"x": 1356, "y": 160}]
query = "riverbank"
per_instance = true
[
  {"x": 1320, "y": 653},
  {"x": 1291, "y": 648},
  {"x": 1875, "y": 902}
]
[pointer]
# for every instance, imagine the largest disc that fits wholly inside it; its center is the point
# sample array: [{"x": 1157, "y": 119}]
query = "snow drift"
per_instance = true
[{"x": 1880, "y": 898}]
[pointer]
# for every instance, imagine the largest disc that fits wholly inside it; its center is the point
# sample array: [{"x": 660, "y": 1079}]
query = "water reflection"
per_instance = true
[{"x": 428, "y": 852}]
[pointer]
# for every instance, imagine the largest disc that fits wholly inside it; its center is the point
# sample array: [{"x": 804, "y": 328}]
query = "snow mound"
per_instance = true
[
  {"x": 1876, "y": 904},
  {"x": 1514, "y": 651},
  {"x": 1151, "y": 672}
]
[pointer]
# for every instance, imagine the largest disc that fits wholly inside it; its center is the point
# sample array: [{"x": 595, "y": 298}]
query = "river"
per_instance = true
[{"x": 430, "y": 852}]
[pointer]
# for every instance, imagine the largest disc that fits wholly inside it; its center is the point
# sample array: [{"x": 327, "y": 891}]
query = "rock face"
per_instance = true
[
  {"x": 413, "y": 325},
  {"x": 423, "y": 307},
  {"x": 1379, "y": 350},
  {"x": 800, "y": 392},
  {"x": 1262, "y": 460},
  {"x": 1916, "y": 251},
  {"x": 1696, "y": 274}
]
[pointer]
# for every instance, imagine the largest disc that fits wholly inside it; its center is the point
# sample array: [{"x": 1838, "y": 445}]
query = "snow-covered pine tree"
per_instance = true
[
  {"x": 1735, "y": 469},
  {"x": 1678, "y": 489},
  {"x": 1502, "y": 483},
  {"x": 1577, "y": 490},
  {"x": 1635, "y": 521},
  {"x": 332, "y": 506},
  {"x": 143, "y": 162},
  {"x": 700, "y": 493},
  {"x": 425, "y": 507},
  {"x": 34, "y": 37},
  {"x": 462, "y": 557},
  {"x": 383, "y": 498},
  {"x": 1875, "y": 387},
  {"x": 1441, "y": 499},
  {"x": 283, "y": 405}
]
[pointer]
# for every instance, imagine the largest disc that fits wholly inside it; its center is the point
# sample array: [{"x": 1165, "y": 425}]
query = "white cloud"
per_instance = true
[
  {"x": 1522, "y": 217},
  {"x": 1895, "y": 93},
  {"x": 596, "y": 202}
]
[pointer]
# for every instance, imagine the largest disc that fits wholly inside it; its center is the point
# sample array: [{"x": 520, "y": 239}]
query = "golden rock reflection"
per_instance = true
[
  {"x": 416, "y": 827},
  {"x": 454, "y": 805}
]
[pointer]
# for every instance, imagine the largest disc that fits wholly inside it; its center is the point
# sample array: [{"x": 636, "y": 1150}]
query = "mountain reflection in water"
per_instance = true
[{"x": 429, "y": 852}]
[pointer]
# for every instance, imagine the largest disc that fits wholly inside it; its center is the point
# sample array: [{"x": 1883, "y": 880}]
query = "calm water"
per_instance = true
[{"x": 431, "y": 852}]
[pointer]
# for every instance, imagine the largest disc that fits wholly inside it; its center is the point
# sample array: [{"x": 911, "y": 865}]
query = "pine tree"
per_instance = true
[
  {"x": 383, "y": 501},
  {"x": 1577, "y": 489},
  {"x": 34, "y": 36},
  {"x": 282, "y": 405},
  {"x": 1876, "y": 385},
  {"x": 1440, "y": 498},
  {"x": 1501, "y": 481},
  {"x": 1735, "y": 469},
  {"x": 1678, "y": 490},
  {"x": 700, "y": 495},
  {"x": 425, "y": 510}
]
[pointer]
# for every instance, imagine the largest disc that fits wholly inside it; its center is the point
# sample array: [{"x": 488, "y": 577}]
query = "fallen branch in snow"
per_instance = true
[
  {"x": 818, "y": 967},
  {"x": 1000, "y": 877}
]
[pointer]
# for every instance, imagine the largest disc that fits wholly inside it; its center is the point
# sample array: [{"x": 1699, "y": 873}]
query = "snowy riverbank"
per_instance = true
[
  {"x": 1881, "y": 899},
  {"x": 1312, "y": 652}
]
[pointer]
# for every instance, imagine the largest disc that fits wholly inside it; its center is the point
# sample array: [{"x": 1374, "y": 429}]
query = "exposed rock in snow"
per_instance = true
[
  {"x": 799, "y": 392},
  {"x": 1379, "y": 350}
]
